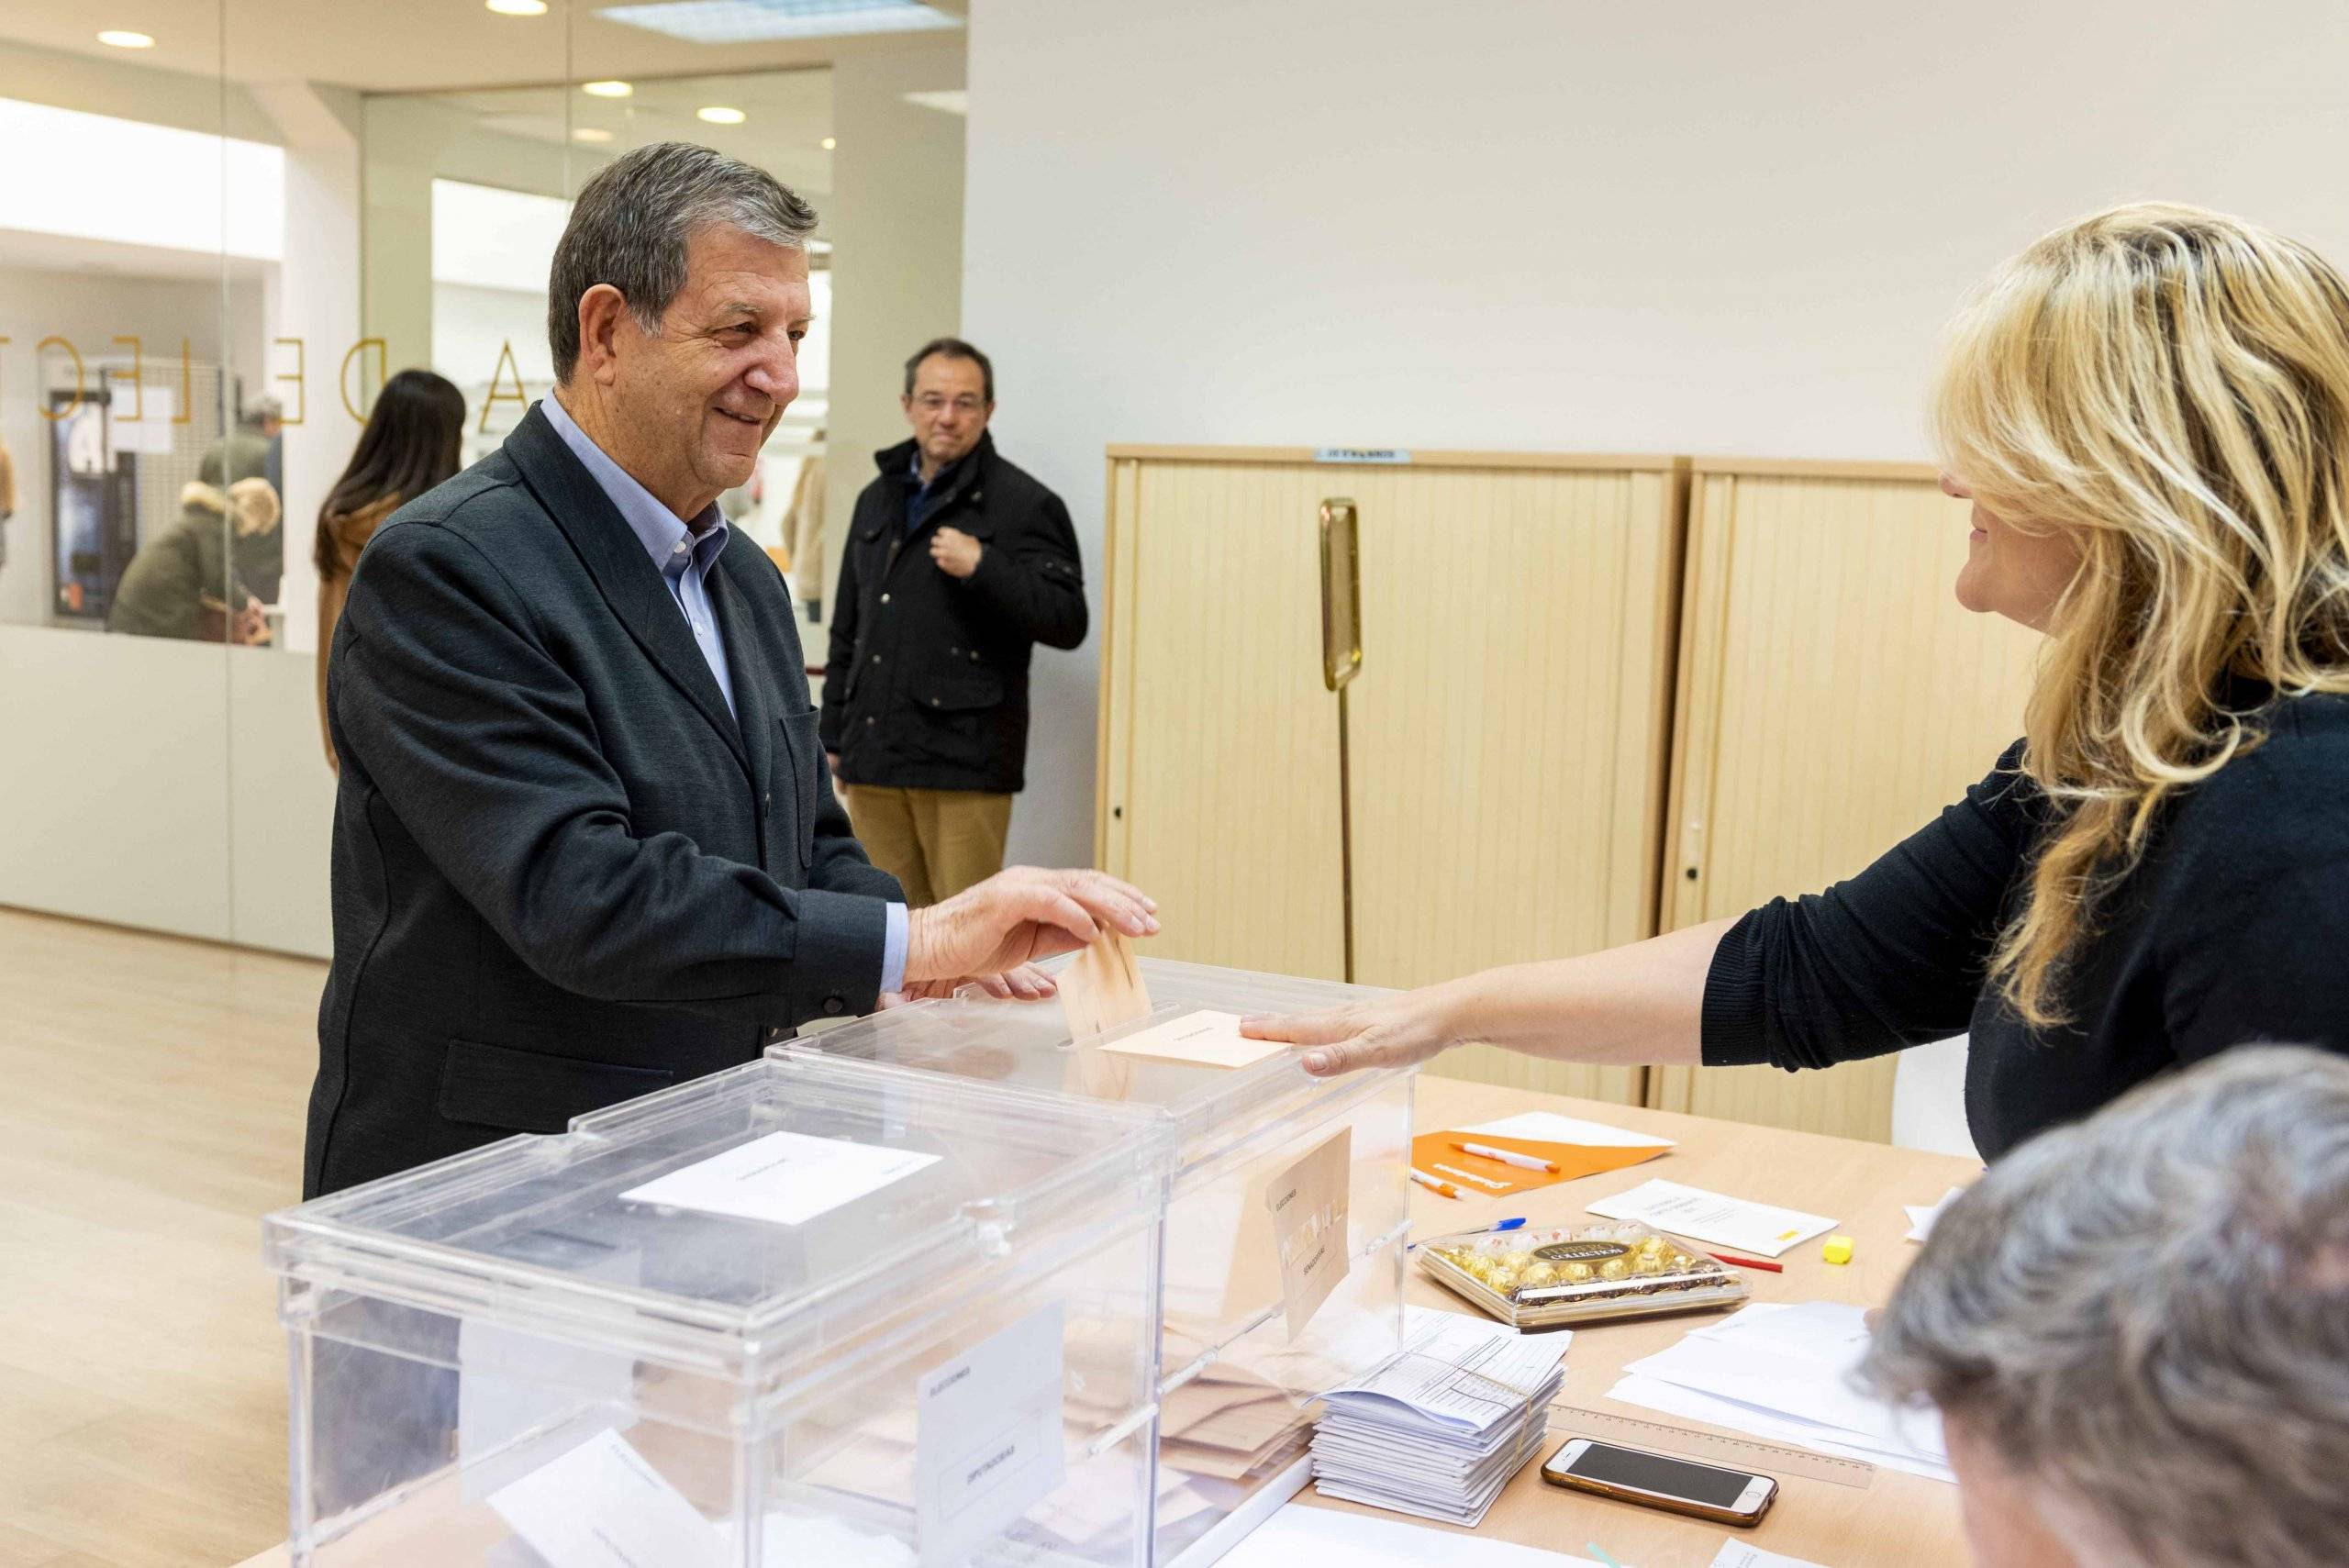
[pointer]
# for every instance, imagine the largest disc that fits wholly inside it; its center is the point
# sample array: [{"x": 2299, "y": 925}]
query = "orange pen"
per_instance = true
[{"x": 1432, "y": 1185}]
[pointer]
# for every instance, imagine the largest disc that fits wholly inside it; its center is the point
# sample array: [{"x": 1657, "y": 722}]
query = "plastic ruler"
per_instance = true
[{"x": 1733, "y": 1453}]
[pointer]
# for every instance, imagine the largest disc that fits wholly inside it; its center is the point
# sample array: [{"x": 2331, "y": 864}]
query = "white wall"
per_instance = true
[
  {"x": 1530, "y": 224},
  {"x": 122, "y": 801},
  {"x": 895, "y": 218}
]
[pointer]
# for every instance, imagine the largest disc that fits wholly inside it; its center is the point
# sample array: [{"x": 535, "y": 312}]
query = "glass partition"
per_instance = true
[{"x": 217, "y": 246}]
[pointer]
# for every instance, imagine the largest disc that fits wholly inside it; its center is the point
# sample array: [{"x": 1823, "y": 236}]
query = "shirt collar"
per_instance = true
[{"x": 655, "y": 527}]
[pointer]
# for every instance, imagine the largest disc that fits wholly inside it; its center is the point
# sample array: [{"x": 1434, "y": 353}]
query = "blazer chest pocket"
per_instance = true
[{"x": 803, "y": 753}]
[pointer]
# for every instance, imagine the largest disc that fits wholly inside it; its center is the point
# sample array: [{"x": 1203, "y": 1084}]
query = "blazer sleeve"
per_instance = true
[
  {"x": 1036, "y": 583},
  {"x": 1894, "y": 957},
  {"x": 484, "y": 748},
  {"x": 840, "y": 656}
]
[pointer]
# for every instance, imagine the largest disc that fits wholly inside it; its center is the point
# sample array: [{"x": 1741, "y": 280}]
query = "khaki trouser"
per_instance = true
[{"x": 936, "y": 841}]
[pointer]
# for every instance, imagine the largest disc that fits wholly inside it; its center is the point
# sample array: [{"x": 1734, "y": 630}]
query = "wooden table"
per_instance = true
[{"x": 1897, "y": 1518}]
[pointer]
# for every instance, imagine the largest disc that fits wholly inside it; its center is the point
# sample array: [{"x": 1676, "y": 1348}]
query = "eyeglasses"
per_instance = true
[{"x": 934, "y": 403}]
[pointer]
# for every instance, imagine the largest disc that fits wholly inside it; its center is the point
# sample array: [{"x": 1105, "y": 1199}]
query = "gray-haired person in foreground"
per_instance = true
[
  {"x": 2137, "y": 1329},
  {"x": 585, "y": 844}
]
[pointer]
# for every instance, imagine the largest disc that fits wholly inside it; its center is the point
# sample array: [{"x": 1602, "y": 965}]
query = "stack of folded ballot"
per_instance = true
[
  {"x": 1783, "y": 1372},
  {"x": 1439, "y": 1429}
]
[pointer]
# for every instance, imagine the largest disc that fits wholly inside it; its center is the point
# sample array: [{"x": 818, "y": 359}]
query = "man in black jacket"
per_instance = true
[
  {"x": 585, "y": 844},
  {"x": 957, "y": 565}
]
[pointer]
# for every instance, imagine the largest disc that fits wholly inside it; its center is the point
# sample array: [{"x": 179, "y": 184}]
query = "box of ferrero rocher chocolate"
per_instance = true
[{"x": 1541, "y": 1278}]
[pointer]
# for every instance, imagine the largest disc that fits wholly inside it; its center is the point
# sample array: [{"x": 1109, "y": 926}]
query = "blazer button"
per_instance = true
[
  {"x": 869, "y": 722},
  {"x": 876, "y": 658},
  {"x": 884, "y": 598},
  {"x": 834, "y": 1005},
  {"x": 933, "y": 702}
]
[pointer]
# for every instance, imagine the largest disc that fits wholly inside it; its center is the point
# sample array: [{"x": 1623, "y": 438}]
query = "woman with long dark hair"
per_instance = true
[{"x": 412, "y": 443}]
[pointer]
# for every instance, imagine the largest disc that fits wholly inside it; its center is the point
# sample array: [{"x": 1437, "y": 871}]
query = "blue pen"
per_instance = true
[
  {"x": 1596, "y": 1550},
  {"x": 1494, "y": 1228}
]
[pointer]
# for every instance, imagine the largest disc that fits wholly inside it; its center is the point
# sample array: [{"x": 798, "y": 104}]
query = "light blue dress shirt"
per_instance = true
[{"x": 685, "y": 555}]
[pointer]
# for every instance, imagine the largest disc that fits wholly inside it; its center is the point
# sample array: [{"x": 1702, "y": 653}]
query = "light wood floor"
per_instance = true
[{"x": 151, "y": 1096}]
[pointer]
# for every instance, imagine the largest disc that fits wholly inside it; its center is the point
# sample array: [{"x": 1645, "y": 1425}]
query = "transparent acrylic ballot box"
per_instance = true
[
  {"x": 799, "y": 1314},
  {"x": 1238, "y": 1384}
]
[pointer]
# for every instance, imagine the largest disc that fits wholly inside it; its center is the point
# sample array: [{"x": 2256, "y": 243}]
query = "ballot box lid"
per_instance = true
[
  {"x": 743, "y": 1223},
  {"x": 1030, "y": 1046}
]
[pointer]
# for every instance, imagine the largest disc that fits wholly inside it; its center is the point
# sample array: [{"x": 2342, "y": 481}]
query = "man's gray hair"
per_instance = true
[
  {"x": 632, "y": 222},
  {"x": 2146, "y": 1316}
]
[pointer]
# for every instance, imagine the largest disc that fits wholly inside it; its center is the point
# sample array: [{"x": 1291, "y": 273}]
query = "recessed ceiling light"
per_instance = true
[
  {"x": 518, "y": 8},
  {"x": 607, "y": 89},
  {"x": 748, "y": 21},
  {"x": 829, "y": 144},
  {"x": 590, "y": 133},
  {"x": 120, "y": 39},
  {"x": 719, "y": 113}
]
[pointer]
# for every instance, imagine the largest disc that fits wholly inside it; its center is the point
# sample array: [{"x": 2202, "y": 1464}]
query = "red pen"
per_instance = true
[{"x": 1747, "y": 1263}]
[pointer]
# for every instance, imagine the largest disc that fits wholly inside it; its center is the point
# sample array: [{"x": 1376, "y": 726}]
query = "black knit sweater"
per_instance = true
[{"x": 2234, "y": 928}]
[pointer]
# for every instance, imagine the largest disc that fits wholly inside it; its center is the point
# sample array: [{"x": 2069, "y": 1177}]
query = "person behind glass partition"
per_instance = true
[
  {"x": 413, "y": 441},
  {"x": 2136, "y": 1328},
  {"x": 184, "y": 582}
]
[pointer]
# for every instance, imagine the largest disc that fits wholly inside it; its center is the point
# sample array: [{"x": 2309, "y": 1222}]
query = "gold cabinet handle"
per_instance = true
[{"x": 1341, "y": 594}]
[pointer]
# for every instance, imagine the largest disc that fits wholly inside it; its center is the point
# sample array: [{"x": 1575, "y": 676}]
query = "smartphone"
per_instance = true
[{"x": 1677, "y": 1486}]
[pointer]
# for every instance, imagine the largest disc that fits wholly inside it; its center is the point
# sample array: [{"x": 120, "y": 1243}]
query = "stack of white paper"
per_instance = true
[
  {"x": 1439, "y": 1429},
  {"x": 1922, "y": 1215},
  {"x": 1784, "y": 1373}
]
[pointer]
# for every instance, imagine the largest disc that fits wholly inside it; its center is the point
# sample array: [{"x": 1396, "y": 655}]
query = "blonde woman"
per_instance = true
[{"x": 2150, "y": 412}]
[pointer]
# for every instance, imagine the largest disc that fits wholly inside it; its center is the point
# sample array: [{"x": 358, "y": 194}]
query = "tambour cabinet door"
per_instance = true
[
  {"x": 1833, "y": 697},
  {"x": 1508, "y": 730},
  {"x": 1218, "y": 776}
]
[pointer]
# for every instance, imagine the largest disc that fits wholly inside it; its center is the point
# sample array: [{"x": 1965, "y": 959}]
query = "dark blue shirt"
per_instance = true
[{"x": 921, "y": 499}]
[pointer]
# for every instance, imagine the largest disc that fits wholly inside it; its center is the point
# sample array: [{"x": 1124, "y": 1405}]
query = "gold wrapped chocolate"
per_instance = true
[
  {"x": 1613, "y": 1269},
  {"x": 1646, "y": 1262},
  {"x": 1537, "y": 1274},
  {"x": 1681, "y": 1263},
  {"x": 1502, "y": 1279},
  {"x": 1576, "y": 1273}
]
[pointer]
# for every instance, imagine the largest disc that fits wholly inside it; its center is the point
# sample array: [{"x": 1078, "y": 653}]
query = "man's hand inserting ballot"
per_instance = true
[{"x": 1015, "y": 918}]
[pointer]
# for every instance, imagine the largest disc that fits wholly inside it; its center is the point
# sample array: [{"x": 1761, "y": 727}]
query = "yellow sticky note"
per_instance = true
[{"x": 1838, "y": 1250}]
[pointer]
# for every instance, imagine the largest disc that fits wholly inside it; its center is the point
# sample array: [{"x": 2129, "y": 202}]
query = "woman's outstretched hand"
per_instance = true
[{"x": 1394, "y": 1032}]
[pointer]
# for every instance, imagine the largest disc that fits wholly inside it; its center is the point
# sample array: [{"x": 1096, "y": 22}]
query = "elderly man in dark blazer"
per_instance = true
[{"x": 586, "y": 843}]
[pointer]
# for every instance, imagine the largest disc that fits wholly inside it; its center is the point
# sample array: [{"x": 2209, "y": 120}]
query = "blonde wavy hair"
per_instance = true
[{"x": 2170, "y": 388}]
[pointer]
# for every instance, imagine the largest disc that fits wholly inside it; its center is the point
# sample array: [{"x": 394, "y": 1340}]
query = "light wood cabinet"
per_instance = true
[
  {"x": 1501, "y": 757},
  {"x": 1832, "y": 697}
]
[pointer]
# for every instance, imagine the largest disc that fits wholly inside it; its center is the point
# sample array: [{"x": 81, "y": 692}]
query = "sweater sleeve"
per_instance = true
[{"x": 1892, "y": 957}]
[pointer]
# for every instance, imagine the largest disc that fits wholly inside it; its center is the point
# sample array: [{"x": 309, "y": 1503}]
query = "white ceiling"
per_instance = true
[
  {"x": 404, "y": 45},
  {"x": 789, "y": 114}
]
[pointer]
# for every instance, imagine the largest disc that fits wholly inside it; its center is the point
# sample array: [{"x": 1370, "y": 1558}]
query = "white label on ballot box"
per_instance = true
[
  {"x": 786, "y": 1178},
  {"x": 1710, "y": 1217},
  {"x": 601, "y": 1505},
  {"x": 1310, "y": 1207},
  {"x": 990, "y": 1445}
]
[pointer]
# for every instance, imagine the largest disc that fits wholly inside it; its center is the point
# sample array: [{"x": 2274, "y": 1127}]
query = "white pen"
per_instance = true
[
  {"x": 1522, "y": 1162},
  {"x": 1472, "y": 1176}
]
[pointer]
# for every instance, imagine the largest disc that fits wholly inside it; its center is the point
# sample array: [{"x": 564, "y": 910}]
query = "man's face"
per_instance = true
[
  {"x": 948, "y": 407},
  {"x": 700, "y": 398}
]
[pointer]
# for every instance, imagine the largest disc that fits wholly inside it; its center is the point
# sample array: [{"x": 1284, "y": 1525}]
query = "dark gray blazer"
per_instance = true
[{"x": 564, "y": 875}]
